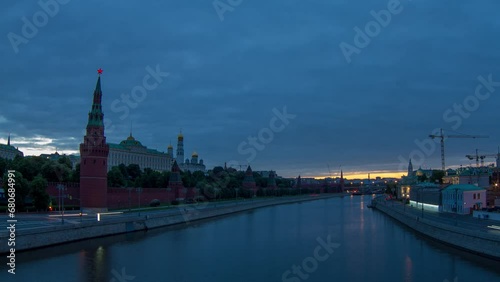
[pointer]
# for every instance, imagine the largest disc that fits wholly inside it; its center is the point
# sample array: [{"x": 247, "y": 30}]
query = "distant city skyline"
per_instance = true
[{"x": 268, "y": 84}]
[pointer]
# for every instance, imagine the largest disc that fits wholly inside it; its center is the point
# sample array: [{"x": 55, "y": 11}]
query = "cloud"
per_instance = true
[{"x": 226, "y": 77}]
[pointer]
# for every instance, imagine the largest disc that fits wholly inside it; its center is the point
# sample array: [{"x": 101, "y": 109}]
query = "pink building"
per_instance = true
[{"x": 463, "y": 198}]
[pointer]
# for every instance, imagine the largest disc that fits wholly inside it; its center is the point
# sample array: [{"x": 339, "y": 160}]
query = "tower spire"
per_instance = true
[
  {"x": 93, "y": 157},
  {"x": 410, "y": 168},
  {"x": 95, "y": 114}
]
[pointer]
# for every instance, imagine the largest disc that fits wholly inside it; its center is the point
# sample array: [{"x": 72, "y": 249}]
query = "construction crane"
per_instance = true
[
  {"x": 478, "y": 157},
  {"x": 442, "y": 136}
]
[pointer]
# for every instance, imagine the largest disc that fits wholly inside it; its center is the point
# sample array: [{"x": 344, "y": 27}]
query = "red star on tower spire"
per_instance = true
[{"x": 99, "y": 71}]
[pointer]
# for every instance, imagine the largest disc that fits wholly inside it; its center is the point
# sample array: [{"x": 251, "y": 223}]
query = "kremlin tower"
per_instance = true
[
  {"x": 249, "y": 181},
  {"x": 94, "y": 156},
  {"x": 175, "y": 180},
  {"x": 180, "y": 148},
  {"x": 271, "y": 181}
]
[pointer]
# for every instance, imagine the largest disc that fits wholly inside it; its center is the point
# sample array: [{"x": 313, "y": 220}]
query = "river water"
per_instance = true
[{"x": 336, "y": 239}]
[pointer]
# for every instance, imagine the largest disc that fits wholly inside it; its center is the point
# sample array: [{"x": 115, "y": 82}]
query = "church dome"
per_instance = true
[
  {"x": 420, "y": 172},
  {"x": 130, "y": 141},
  {"x": 170, "y": 146},
  {"x": 194, "y": 155},
  {"x": 180, "y": 136}
]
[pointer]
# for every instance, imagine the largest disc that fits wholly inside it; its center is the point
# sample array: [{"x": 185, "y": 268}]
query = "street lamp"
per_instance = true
[
  {"x": 421, "y": 196},
  {"x": 129, "y": 199},
  {"x": 456, "y": 206},
  {"x": 139, "y": 190},
  {"x": 61, "y": 200}
]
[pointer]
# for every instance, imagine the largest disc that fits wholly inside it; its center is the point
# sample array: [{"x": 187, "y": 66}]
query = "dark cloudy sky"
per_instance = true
[{"x": 229, "y": 70}]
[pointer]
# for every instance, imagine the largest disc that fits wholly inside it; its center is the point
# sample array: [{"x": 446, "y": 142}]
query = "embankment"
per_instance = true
[
  {"x": 473, "y": 241},
  {"x": 27, "y": 239}
]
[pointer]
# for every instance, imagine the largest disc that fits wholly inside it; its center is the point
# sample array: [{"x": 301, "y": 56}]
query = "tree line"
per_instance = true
[{"x": 32, "y": 175}]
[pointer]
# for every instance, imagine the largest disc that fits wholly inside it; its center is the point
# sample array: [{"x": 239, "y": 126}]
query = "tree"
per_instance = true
[
  {"x": 133, "y": 171},
  {"x": 75, "y": 174},
  {"x": 55, "y": 172},
  {"x": 64, "y": 160},
  {"x": 198, "y": 176},
  {"x": 29, "y": 167},
  {"x": 162, "y": 181},
  {"x": 149, "y": 178},
  {"x": 4, "y": 165},
  {"x": 217, "y": 170},
  {"x": 39, "y": 193},
  {"x": 188, "y": 179},
  {"x": 422, "y": 178},
  {"x": 437, "y": 176},
  {"x": 115, "y": 178}
]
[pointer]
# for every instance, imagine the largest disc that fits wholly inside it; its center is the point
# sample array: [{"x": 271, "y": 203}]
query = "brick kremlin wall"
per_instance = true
[{"x": 118, "y": 198}]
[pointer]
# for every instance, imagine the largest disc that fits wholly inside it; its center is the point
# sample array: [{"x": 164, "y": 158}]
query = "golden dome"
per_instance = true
[
  {"x": 170, "y": 146},
  {"x": 194, "y": 154}
]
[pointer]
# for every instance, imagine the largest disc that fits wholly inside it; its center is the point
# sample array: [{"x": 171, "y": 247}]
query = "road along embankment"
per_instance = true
[
  {"x": 473, "y": 241},
  {"x": 26, "y": 239}
]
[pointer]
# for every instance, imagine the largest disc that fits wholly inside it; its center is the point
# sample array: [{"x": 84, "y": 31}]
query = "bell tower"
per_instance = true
[{"x": 94, "y": 157}]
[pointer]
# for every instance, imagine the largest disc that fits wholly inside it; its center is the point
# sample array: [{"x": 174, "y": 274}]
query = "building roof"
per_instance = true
[
  {"x": 428, "y": 185},
  {"x": 8, "y": 147},
  {"x": 131, "y": 143},
  {"x": 463, "y": 187}
]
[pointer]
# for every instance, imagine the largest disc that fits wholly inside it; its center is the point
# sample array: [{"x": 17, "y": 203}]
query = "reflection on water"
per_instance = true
[{"x": 261, "y": 245}]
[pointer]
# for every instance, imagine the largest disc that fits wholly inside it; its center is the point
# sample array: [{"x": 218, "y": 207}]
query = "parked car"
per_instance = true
[{"x": 154, "y": 203}]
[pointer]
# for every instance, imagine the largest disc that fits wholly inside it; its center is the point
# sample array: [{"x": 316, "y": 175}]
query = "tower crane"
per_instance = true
[
  {"x": 478, "y": 157},
  {"x": 442, "y": 136}
]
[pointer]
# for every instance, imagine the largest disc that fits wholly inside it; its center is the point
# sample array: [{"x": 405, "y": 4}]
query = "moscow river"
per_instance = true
[{"x": 335, "y": 239}]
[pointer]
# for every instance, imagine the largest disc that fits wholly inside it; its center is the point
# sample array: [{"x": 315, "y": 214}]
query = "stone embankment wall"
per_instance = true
[
  {"x": 40, "y": 237},
  {"x": 475, "y": 241}
]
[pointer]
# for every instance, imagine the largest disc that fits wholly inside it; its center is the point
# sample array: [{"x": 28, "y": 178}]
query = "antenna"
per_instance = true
[{"x": 130, "y": 127}]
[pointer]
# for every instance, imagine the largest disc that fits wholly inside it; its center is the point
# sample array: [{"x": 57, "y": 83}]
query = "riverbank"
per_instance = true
[
  {"x": 479, "y": 242},
  {"x": 26, "y": 239}
]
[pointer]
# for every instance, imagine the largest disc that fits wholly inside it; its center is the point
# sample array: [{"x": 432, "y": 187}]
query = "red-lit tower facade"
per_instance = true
[{"x": 94, "y": 157}]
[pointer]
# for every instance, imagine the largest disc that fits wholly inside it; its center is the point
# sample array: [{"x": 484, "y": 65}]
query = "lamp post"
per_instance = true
[
  {"x": 129, "y": 199},
  {"x": 61, "y": 189},
  {"x": 139, "y": 190},
  {"x": 421, "y": 200},
  {"x": 456, "y": 206}
]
